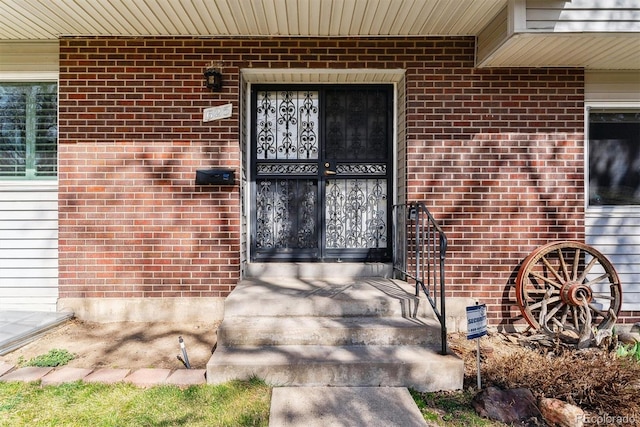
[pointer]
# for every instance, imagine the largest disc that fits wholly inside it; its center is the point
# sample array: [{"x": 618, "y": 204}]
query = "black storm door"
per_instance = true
[{"x": 321, "y": 173}]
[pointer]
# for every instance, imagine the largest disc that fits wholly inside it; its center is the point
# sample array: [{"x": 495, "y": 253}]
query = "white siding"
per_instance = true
[
  {"x": 616, "y": 233},
  {"x": 612, "y": 86},
  {"x": 28, "y": 246},
  {"x": 615, "y": 230},
  {"x": 28, "y": 209},
  {"x": 27, "y": 58},
  {"x": 582, "y": 16}
]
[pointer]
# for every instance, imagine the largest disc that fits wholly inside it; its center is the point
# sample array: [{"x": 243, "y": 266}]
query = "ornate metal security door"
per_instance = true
[{"x": 321, "y": 169}]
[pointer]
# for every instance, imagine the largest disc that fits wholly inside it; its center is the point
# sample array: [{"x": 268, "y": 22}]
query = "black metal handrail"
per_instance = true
[{"x": 419, "y": 255}]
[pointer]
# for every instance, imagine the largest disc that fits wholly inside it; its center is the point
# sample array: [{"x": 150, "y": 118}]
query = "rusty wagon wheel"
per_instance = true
[{"x": 567, "y": 286}]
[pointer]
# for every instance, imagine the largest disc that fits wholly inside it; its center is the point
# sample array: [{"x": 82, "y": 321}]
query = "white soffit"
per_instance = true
[
  {"x": 590, "y": 34},
  {"x": 541, "y": 33},
  {"x": 289, "y": 76},
  {"x": 48, "y": 19}
]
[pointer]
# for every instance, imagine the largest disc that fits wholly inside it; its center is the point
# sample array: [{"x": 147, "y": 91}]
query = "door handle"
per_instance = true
[{"x": 328, "y": 172}]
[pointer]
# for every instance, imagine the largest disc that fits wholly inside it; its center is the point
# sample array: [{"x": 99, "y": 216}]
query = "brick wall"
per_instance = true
[
  {"x": 496, "y": 154},
  {"x": 132, "y": 222}
]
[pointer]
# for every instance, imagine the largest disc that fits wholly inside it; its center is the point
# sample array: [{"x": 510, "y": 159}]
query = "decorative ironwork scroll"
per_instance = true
[
  {"x": 286, "y": 214},
  {"x": 287, "y": 125},
  {"x": 288, "y": 169},
  {"x": 356, "y": 213},
  {"x": 361, "y": 169}
]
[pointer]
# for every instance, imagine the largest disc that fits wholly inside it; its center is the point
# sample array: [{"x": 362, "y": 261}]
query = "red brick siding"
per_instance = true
[
  {"x": 499, "y": 196},
  {"x": 496, "y": 154},
  {"x": 132, "y": 222},
  {"x": 629, "y": 317}
]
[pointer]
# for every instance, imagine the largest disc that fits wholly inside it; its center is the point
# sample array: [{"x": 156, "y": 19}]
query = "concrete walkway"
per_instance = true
[{"x": 344, "y": 406}]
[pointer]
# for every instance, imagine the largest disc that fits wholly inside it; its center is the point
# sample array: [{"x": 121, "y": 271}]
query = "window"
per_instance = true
[
  {"x": 614, "y": 157},
  {"x": 28, "y": 130}
]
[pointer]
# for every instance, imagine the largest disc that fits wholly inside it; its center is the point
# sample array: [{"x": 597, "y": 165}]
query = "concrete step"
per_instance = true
[
  {"x": 418, "y": 367},
  {"x": 314, "y": 270},
  {"x": 311, "y": 330},
  {"x": 340, "y": 330},
  {"x": 285, "y": 296}
]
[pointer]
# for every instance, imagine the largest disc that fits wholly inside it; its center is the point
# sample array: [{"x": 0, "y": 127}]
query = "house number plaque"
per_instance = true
[{"x": 215, "y": 113}]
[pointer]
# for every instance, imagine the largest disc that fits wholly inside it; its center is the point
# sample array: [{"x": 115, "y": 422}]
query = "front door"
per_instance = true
[{"x": 321, "y": 172}]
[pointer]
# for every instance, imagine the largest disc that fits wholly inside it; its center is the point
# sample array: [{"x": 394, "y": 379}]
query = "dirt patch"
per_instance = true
[
  {"x": 593, "y": 379},
  {"x": 124, "y": 344}
]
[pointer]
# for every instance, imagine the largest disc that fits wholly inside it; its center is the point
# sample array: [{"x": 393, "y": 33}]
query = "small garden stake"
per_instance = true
[
  {"x": 478, "y": 363},
  {"x": 185, "y": 358}
]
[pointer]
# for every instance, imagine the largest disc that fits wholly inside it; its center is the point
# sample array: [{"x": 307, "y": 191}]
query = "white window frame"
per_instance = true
[
  {"x": 587, "y": 108},
  {"x": 36, "y": 77}
]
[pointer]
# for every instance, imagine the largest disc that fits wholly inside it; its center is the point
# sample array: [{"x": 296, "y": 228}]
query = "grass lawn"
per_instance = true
[
  {"x": 87, "y": 404},
  {"x": 450, "y": 409},
  {"x": 238, "y": 403}
]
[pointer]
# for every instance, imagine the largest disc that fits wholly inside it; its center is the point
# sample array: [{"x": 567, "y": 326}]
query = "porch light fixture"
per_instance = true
[{"x": 213, "y": 77}]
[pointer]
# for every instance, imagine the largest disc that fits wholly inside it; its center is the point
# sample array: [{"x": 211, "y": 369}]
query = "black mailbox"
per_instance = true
[{"x": 215, "y": 177}]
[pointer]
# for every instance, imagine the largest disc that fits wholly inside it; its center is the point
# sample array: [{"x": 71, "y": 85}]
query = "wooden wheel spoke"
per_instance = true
[
  {"x": 576, "y": 264},
  {"x": 598, "y": 295},
  {"x": 552, "y": 269},
  {"x": 543, "y": 301},
  {"x": 597, "y": 279},
  {"x": 553, "y": 312},
  {"x": 537, "y": 291},
  {"x": 563, "y": 266},
  {"x": 545, "y": 279},
  {"x": 598, "y": 311},
  {"x": 587, "y": 269}
]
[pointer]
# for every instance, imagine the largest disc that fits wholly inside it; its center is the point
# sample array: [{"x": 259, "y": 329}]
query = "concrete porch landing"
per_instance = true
[
  {"x": 18, "y": 328},
  {"x": 348, "y": 332}
]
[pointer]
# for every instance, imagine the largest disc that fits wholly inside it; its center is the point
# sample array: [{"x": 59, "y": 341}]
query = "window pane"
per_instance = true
[
  {"x": 46, "y": 137},
  {"x": 13, "y": 113},
  {"x": 614, "y": 158},
  {"x": 28, "y": 130}
]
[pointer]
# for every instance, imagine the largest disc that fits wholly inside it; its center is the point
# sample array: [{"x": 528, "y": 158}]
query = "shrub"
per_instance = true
[
  {"x": 595, "y": 380},
  {"x": 632, "y": 351}
]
